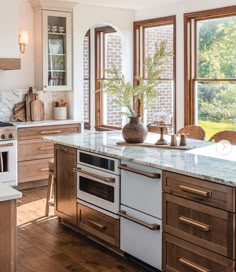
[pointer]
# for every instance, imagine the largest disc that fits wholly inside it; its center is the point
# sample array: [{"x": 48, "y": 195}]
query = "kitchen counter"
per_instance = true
[
  {"x": 206, "y": 161},
  {"x": 8, "y": 193},
  {"x": 45, "y": 123}
]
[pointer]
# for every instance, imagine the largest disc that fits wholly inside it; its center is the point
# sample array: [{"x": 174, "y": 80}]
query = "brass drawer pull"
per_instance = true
[
  {"x": 136, "y": 171},
  {"x": 46, "y": 148},
  {"x": 89, "y": 175},
  {"x": 44, "y": 169},
  {"x": 97, "y": 225},
  {"x": 195, "y": 191},
  {"x": 194, "y": 223},
  {"x": 5, "y": 145},
  {"x": 137, "y": 221},
  {"x": 50, "y": 132},
  {"x": 193, "y": 266}
]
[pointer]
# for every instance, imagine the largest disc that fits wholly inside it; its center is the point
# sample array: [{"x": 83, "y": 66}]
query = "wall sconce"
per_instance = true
[{"x": 23, "y": 40}]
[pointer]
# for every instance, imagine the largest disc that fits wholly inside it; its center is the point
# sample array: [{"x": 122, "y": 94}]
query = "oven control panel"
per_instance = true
[{"x": 7, "y": 134}]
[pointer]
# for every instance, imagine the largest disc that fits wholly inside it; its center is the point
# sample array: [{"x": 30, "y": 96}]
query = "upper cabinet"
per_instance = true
[{"x": 53, "y": 45}]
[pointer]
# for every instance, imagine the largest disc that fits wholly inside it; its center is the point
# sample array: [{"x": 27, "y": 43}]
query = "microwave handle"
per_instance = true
[
  {"x": 136, "y": 171},
  {"x": 106, "y": 179},
  {"x": 137, "y": 221}
]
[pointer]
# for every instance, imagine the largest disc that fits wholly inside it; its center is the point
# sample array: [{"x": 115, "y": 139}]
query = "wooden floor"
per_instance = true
[{"x": 44, "y": 245}]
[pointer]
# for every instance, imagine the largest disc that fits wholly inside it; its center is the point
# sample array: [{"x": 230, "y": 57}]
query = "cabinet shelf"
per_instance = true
[
  {"x": 56, "y": 54},
  {"x": 63, "y": 71},
  {"x": 57, "y": 33}
]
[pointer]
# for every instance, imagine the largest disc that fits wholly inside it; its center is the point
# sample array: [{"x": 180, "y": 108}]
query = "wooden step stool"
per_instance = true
[{"x": 50, "y": 191}]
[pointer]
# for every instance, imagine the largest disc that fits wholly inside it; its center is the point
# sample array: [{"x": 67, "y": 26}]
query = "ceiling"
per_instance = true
[{"x": 127, "y": 4}]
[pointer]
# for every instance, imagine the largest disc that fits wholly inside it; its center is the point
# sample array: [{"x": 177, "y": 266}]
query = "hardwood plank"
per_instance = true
[{"x": 44, "y": 245}]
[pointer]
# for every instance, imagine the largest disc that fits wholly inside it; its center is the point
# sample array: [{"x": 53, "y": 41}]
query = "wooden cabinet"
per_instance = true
[
  {"x": 8, "y": 236},
  {"x": 65, "y": 187},
  {"x": 34, "y": 152},
  {"x": 99, "y": 224},
  {"x": 53, "y": 45},
  {"x": 201, "y": 216}
]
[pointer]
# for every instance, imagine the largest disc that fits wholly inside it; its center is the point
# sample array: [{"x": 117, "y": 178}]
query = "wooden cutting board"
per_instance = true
[
  {"x": 37, "y": 110},
  {"x": 28, "y": 98}
]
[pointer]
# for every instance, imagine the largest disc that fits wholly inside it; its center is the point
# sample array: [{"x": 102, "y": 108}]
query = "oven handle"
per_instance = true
[
  {"x": 135, "y": 220},
  {"x": 106, "y": 179},
  {"x": 5, "y": 145},
  {"x": 136, "y": 171}
]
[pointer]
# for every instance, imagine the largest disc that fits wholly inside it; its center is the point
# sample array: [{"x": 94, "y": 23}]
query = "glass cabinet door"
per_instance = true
[{"x": 57, "y": 51}]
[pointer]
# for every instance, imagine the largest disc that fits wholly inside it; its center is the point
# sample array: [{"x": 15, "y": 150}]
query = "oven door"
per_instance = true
[
  {"x": 98, "y": 188},
  {"x": 8, "y": 172}
]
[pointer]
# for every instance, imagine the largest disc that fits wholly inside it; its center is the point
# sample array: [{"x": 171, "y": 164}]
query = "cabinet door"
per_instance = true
[
  {"x": 65, "y": 161},
  {"x": 57, "y": 51}
]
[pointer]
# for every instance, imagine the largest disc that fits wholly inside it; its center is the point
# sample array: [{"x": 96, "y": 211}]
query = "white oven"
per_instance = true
[
  {"x": 8, "y": 169},
  {"x": 98, "y": 181}
]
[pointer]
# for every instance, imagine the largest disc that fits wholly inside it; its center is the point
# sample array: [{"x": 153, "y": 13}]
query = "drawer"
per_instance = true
[
  {"x": 33, "y": 170},
  {"x": 141, "y": 190},
  {"x": 99, "y": 224},
  {"x": 37, "y": 132},
  {"x": 141, "y": 236},
  {"x": 35, "y": 149},
  {"x": 210, "y": 193},
  {"x": 202, "y": 225},
  {"x": 181, "y": 256}
]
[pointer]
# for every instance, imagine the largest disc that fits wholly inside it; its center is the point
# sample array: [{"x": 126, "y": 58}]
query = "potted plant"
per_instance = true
[
  {"x": 134, "y": 98},
  {"x": 59, "y": 109}
]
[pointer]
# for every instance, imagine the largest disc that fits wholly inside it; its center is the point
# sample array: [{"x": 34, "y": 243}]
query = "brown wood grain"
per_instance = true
[
  {"x": 37, "y": 110},
  {"x": 10, "y": 64}
]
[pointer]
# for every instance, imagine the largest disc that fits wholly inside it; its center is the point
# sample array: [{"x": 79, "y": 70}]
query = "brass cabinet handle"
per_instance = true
[
  {"x": 5, "y": 145},
  {"x": 50, "y": 132},
  {"x": 193, "y": 266},
  {"x": 195, "y": 223},
  {"x": 195, "y": 191},
  {"x": 97, "y": 225},
  {"x": 46, "y": 148},
  {"x": 89, "y": 174},
  {"x": 44, "y": 169},
  {"x": 135, "y": 220},
  {"x": 136, "y": 171}
]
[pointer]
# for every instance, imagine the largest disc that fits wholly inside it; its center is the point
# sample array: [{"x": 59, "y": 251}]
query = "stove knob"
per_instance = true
[
  {"x": 11, "y": 136},
  {"x": 3, "y": 136}
]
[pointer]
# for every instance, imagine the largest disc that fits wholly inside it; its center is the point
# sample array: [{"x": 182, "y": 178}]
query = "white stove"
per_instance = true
[{"x": 8, "y": 151}]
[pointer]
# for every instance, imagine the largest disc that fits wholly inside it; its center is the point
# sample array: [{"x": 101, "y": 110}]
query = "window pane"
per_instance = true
[
  {"x": 216, "y": 54},
  {"x": 152, "y": 38},
  {"x": 86, "y": 79},
  {"x": 164, "y": 102},
  {"x": 216, "y": 106},
  {"x": 113, "y": 52},
  {"x": 113, "y": 56}
]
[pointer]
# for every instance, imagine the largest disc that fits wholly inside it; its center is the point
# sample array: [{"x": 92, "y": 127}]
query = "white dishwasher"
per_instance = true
[{"x": 140, "y": 212}]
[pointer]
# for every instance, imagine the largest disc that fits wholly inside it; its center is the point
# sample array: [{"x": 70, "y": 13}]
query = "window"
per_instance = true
[
  {"x": 87, "y": 81},
  {"x": 210, "y": 69},
  {"x": 147, "y": 35},
  {"x": 108, "y": 52}
]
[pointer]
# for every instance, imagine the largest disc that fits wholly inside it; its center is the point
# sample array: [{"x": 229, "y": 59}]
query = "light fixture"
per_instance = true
[{"x": 23, "y": 40}]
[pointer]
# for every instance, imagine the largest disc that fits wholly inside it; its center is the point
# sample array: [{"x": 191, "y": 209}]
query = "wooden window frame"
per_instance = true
[
  {"x": 99, "y": 76},
  {"x": 139, "y": 27},
  {"x": 87, "y": 125},
  {"x": 190, "y": 56}
]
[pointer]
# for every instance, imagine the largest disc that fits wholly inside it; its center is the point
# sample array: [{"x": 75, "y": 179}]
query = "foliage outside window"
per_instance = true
[{"x": 211, "y": 70}]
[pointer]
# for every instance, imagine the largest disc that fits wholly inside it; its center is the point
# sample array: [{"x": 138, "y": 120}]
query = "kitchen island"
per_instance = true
[{"x": 173, "y": 209}]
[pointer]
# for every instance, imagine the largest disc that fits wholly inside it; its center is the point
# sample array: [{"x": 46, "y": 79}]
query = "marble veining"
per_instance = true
[
  {"x": 8, "y": 193},
  {"x": 196, "y": 162}
]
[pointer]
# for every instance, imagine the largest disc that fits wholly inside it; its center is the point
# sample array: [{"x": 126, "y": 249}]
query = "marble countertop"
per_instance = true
[
  {"x": 8, "y": 193},
  {"x": 207, "y": 160},
  {"x": 45, "y": 123}
]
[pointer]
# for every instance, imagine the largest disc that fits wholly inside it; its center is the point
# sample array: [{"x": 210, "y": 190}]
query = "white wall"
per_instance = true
[
  {"x": 86, "y": 17},
  {"x": 179, "y": 9},
  {"x": 17, "y": 17}
]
